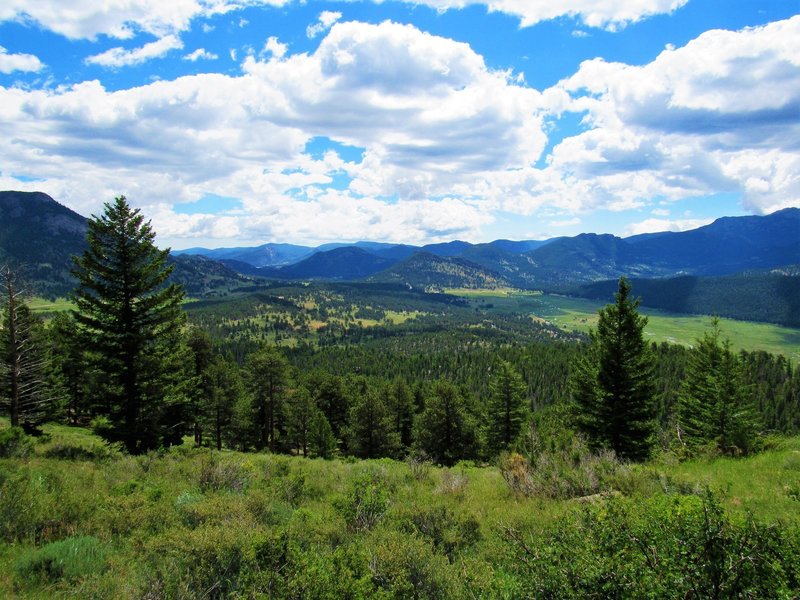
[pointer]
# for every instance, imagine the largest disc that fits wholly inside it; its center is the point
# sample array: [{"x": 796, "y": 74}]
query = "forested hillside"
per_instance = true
[{"x": 772, "y": 296}]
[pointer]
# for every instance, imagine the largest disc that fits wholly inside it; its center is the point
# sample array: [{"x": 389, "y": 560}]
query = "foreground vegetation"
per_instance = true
[{"x": 79, "y": 519}]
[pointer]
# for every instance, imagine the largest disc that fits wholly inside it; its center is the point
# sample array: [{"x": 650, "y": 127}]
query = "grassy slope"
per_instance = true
[{"x": 143, "y": 508}]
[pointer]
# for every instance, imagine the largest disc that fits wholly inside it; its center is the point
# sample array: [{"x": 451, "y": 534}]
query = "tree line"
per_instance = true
[{"x": 127, "y": 361}]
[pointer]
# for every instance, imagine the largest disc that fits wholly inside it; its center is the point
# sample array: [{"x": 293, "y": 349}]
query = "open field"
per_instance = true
[
  {"x": 43, "y": 305},
  {"x": 580, "y": 314}
]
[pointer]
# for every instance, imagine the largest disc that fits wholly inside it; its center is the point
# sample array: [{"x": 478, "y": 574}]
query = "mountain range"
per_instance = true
[
  {"x": 735, "y": 254},
  {"x": 728, "y": 245}
]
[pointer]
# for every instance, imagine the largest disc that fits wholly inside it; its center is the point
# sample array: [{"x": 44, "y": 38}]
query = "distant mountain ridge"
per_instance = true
[
  {"x": 40, "y": 232},
  {"x": 341, "y": 263},
  {"x": 39, "y": 236}
]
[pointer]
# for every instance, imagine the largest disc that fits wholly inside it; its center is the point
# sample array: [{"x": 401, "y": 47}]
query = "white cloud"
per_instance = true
[
  {"x": 593, "y": 13},
  {"x": 200, "y": 53},
  {"x": 658, "y": 225},
  {"x": 122, "y": 19},
  {"x": 325, "y": 21},
  {"x": 719, "y": 114},
  {"x": 275, "y": 47},
  {"x": 120, "y": 57},
  {"x": 426, "y": 110},
  {"x": 18, "y": 62},
  {"x": 446, "y": 141}
]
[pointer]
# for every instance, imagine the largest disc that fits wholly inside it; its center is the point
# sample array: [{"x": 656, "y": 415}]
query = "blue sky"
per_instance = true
[{"x": 238, "y": 122}]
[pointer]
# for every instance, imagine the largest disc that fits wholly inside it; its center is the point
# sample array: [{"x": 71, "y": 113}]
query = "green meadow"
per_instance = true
[
  {"x": 578, "y": 314},
  {"x": 79, "y": 519}
]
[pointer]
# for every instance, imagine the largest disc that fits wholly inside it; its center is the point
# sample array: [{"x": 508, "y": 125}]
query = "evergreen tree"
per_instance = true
[
  {"x": 445, "y": 430},
  {"x": 300, "y": 414},
  {"x": 714, "y": 405},
  {"x": 332, "y": 400},
  {"x": 321, "y": 440},
  {"x": 22, "y": 359},
  {"x": 506, "y": 407},
  {"x": 266, "y": 374},
  {"x": 401, "y": 406},
  {"x": 130, "y": 317},
  {"x": 371, "y": 433},
  {"x": 613, "y": 385},
  {"x": 225, "y": 391},
  {"x": 200, "y": 388},
  {"x": 71, "y": 371}
]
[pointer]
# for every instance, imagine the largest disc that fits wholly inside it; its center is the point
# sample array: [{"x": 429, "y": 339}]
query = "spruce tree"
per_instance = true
[
  {"x": 266, "y": 373},
  {"x": 401, "y": 406},
  {"x": 613, "y": 384},
  {"x": 200, "y": 384},
  {"x": 321, "y": 441},
  {"x": 300, "y": 414},
  {"x": 714, "y": 405},
  {"x": 70, "y": 371},
  {"x": 371, "y": 433},
  {"x": 445, "y": 430},
  {"x": 506, "y": 407},
  {"x": 218, "y": 408},
  {"x": 129, "y": 317}
]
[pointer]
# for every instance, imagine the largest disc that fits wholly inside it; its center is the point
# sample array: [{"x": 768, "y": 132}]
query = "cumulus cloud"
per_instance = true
[
  {"x": 18, "y": 62},
  {"x": 429, "y": 114},
  {"x": 445, "y": 140},
  {"x": 719, "y": 114},
  {"x": 593, "y": 13},
  {"x": 200, "y": 53},
  {"x": 122, "y": 19},
  {"x": 658, "y": 225},
  {"x": 274, "y": 47},
  {"x": 326, "y": 19},
  {"x": 120, "y": 57}
]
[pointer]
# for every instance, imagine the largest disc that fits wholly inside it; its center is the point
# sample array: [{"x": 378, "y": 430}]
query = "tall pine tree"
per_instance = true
[
  {"x": 445, "y": 430},
  {"x": 130, "y": 316},
  {"x": 506, "y": 407},
  {"x": 714, "y": 405},
  {"x": 613, "y": 383},
  {"x": 266, "y": 373}
]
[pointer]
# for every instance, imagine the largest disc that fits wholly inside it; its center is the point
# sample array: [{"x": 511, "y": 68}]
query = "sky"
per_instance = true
[{"x": 241, "y": 122}]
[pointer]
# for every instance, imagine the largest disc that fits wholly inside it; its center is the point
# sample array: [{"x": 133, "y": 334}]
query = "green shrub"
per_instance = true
[
  {"x": 365, "y": 503},
  {"x": 102, "y": 426},
  {"x": 68, "y": 559},
  {"x": 72, "y": 452},
  {"x": 563, "y": 471},
  {"x": 448, "y": 532},
  {"x": 14, "y": 443},
  {"x": 223, "y": 475},
  {"x": 669, "y": 546},
  {"x": 206, "y": 562},
  {"x": 405, "y": 566},
  {"x": 29, "y": 509}
]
